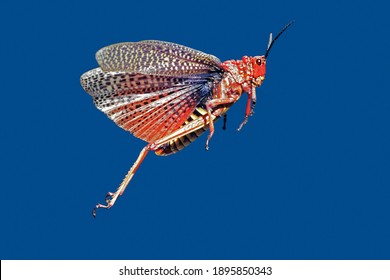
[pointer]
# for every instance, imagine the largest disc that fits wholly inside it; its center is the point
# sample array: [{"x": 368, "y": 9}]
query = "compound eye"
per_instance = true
[{"x": 259, "y": 61}]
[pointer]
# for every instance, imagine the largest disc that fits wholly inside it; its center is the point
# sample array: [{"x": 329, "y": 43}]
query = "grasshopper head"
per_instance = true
[
  {"x": 258, "y": 66},
  {"x": 258, "y": 62}
]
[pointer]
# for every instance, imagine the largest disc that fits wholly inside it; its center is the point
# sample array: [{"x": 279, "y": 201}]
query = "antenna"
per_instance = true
[{"x": 272, "y": 41}]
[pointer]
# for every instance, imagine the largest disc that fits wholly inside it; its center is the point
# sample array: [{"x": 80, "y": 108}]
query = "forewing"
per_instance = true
[
  {"x": 148, "y": 106},
  {"x": 156, "y": 58}
]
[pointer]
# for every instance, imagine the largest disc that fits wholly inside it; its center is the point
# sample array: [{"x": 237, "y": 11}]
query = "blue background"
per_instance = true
[{"x": 307, "y": 178}]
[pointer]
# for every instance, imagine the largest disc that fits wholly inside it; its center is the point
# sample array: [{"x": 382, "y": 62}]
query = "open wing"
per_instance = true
[
  {"x": 157, "y": 58},
  {"x": 150, "y": 88},
  {"x": 148, "y": 106}
]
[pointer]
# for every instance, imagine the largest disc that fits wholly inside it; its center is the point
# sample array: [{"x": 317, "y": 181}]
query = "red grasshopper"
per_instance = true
[{"x": 168, "y": 94}]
